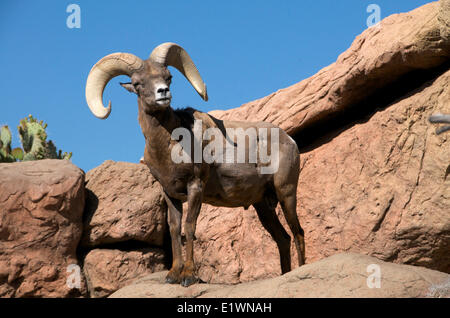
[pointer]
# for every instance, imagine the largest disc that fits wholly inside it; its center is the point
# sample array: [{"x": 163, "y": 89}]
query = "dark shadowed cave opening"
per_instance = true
[
  {"x": 324, "y": 130},
  {"x": 131, "y": 245}
]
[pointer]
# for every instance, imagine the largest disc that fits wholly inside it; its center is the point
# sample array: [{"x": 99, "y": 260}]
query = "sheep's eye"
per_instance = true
[
  {"x": 169, "y": 78},
  {"x": 136, "y": 84}
]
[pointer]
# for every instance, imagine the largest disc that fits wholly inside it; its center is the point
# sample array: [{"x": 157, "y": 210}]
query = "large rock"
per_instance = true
[
  {"x": 386, "y": 190},
  {"x": 380, "y": 188},
  {"x": 108, "y": 270},
  {"x": 343, "y": 275},
  {"x": 41, "y": 206},
  {"x": 381, "y": 55},
  {"x": 378, "y": 185},
  {"x": 124, "y": 203}
]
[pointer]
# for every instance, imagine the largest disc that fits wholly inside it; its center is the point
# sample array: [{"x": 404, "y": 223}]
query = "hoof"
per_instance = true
[
  {"x": 188, "y": 281},
  {"x": 172, "y": 279}
]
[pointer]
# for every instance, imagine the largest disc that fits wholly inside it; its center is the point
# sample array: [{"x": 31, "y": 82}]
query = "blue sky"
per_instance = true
[{"x": 244, "y": 50}]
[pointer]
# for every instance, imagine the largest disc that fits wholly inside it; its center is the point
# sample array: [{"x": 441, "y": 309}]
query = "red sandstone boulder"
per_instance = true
[
  {"x": 41, "y": 206},
  {"x": 377, "y": 186},
  {"x": 124, "y": 202},
  {"x": 108, "y": 270},
  {"x": 380, "y": 188}
]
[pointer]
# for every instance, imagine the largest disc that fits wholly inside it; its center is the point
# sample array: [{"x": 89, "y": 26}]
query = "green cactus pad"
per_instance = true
[
  {"x": 17, "y": 153},
  {"x": 5, "y": 139}
]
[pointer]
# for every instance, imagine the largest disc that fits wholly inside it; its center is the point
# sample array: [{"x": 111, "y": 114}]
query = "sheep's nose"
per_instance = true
[{"x": 162, "y": 90}]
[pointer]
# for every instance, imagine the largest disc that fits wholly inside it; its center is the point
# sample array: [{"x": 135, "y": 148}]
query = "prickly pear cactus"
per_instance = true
[
  {"x": 5, "y": 145},
  {"x": 34, "y": 142},
  {"x": 33, "y": 137},
  {"x": 6, "y": 154}
]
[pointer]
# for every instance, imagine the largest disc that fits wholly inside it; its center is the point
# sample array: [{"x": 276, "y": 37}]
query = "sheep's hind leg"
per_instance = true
[
  {"x": 271, "y": 223},
  {"x": 175, "y": 210},
  {"x": 288, "y": 204},
  {"x": 195, "y": 195}
]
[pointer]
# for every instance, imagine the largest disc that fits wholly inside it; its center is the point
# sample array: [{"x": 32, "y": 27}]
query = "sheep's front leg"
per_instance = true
[
  {"x": 175, "y": 210},
  {"x": 195, "y": 195}
]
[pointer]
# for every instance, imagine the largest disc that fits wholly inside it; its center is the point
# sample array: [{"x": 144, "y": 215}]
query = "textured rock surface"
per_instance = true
[
  {"x": 378, "y": 185},
  {"x": 343, "y": 275},
  {"x": 124, "y": 202},
  {"x": 41, "y": 206},
  {"x": 416, "y": 40},
  {"x": 233, "y": 247},
  {"x": 108, "y": 270},
  {"x": 390, "y": 177}
]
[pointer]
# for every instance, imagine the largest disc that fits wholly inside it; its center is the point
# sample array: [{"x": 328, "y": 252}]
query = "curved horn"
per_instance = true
[
  {"x": 101, "y": 73},
  {"x": 174, "y": 55}
]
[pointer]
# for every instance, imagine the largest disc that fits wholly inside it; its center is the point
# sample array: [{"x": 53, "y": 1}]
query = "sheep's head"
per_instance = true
[
  {"x": 150, "y": 79},
  {"x": 152, "y": 86}
]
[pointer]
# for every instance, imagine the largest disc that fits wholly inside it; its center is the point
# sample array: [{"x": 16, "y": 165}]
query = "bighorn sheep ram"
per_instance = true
[
  {"x": 228, "y": 184},
  {"x": 440, "y": 119}
]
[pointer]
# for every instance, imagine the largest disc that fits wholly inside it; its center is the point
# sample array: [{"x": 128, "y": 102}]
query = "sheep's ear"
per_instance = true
[{"x": 129, "y": 87}]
